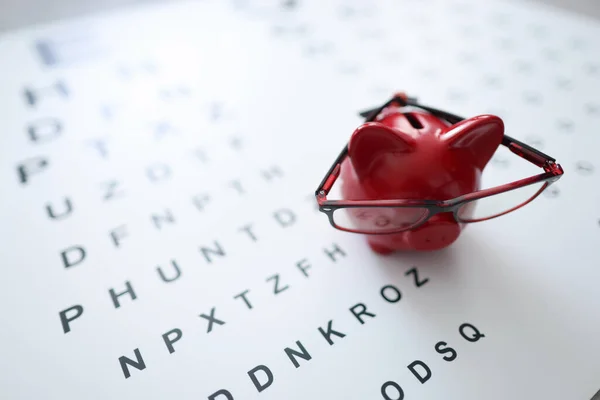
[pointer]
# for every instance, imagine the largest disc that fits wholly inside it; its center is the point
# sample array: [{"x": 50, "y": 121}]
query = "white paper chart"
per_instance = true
[{"x": 160, "y": 236}]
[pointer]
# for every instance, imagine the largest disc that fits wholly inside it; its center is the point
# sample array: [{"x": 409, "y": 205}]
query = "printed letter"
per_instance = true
[
  {"x": 363, "y": 311},
  {"x": 243, "y": 296},
  {"x": 441, "y": 348},
  {"x": 237, "y": 186},
  {"x": 137, "y": 364},
  {"x": 393, "y": 294},
  {"x": 158, "y": 172},
  {"x": 168, "y": 217},
  {"x": 217, "y": 250},
  {"x": 418, "y": 283},
  {"x": 276, "y": 288},
  {"x": 261, "y": 386},
  {"x": 200, "y": 201},
  {"x": 44, "y": 130},
  {"x": 177, "y": 272},
  {"x": 398, "y": 395},
  {"x": 268, "y": 174},
  {"x": 330, "y": 331},
  {"x": 30, "y": 167},
  {"x": 163, "y": 128},
  {"x": 32, "y": 96},
  {"x": 100, "y": 145},
  {"x": 72, "y": 256},
  {"x": 115, "y": 296},
  {"x": 169, "y": 342},
  {"x": 474, "y": 335},
  {"x": 211, "y": 319},
  {"x": 302, "y": 354},
  {"x": 118, "y": 233},
  {"x": 302, "y": 267},
  {"x": 61, "y": 215},
  {"x": 336, "y": 250},
  {"x": 285, "y": 217},
  {"x": 248, "y": 230},
  {"x": 416, "y": 373},
  {"x": 64, "y": 320},
  {"x": 110, "y": 190}
]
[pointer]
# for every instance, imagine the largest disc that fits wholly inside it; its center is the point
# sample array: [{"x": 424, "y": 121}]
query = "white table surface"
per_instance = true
[{"x": 16, "y": 14}]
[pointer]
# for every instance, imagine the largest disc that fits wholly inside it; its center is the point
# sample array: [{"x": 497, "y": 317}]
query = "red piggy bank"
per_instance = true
[{"x": 412, "y": 154}]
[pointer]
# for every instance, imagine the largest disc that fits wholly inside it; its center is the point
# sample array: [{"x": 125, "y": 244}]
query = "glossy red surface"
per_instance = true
[{"x": 407, "y": 154}]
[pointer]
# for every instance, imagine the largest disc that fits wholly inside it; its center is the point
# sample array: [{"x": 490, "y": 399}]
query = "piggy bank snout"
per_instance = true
[{"x": 437, "y": 233}]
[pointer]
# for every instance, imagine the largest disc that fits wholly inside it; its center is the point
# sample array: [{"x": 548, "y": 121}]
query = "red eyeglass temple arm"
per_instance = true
[
  {"x": 332, "y": 174},
  {"x": 527, "y": 152}
]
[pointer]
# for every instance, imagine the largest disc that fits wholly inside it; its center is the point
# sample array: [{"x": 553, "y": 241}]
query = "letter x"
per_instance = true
[{"x": 211, "y": 319}]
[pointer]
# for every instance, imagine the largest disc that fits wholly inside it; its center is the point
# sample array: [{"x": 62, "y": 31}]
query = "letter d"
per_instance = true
[
  {"x": 416, "y": 373},
  {"x": 261, "y": 386},
  {"x": 72, "y": 256}
]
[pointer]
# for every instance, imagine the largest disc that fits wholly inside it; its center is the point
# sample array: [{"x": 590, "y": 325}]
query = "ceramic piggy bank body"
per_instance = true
[{"x": 407, "y": 154}]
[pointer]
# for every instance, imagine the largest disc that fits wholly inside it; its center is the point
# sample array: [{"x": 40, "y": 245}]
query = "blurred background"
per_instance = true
[{"x": 20, "y": 13}]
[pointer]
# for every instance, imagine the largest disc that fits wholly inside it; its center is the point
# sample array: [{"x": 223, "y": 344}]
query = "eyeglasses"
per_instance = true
[{"x": 393, "y": 216}]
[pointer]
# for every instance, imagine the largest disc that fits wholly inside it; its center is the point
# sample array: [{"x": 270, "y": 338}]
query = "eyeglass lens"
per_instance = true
[{"x": 493, "y": 206}]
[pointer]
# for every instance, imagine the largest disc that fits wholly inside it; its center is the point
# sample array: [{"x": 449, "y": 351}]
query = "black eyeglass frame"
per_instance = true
[{"x": 552, "y": 173}]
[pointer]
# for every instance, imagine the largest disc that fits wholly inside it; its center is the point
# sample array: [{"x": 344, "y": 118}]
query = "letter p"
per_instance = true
[
  {"x": 30, "y": 167},
  {"x": 65, "y": 319}
]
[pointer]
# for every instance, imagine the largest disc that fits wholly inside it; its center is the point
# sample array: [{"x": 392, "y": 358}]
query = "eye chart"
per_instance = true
[{"x": 160, "y": 237}]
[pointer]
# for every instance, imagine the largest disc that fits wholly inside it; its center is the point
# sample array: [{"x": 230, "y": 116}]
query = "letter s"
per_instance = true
[{"x": 443, "y": 348}]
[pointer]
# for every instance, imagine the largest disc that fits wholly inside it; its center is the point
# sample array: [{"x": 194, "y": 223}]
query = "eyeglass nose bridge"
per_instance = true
[
  {"x": 452, "y": 207},
  {"x": 444, "y": 207}
]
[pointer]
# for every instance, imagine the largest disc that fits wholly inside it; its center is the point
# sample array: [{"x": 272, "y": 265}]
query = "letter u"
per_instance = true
[
  {"x": 167, "y": 279},
  {"x": 61, "y": 215}
]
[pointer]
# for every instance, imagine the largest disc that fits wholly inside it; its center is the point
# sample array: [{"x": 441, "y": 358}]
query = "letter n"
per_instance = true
[
  {"x": 292, "y": 354},
  {"x": 138, "y": 364}
]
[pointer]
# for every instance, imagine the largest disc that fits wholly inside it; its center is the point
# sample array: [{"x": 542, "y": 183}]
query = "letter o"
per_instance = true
[
  {"x": 396, "y": 293},
  {"x": 385, "y": 386}
]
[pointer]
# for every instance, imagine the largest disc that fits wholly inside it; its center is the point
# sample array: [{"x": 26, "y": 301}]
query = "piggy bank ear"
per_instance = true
[
  {"x": 477, "y": 137},
  {"x": 372, "y": 143}
]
